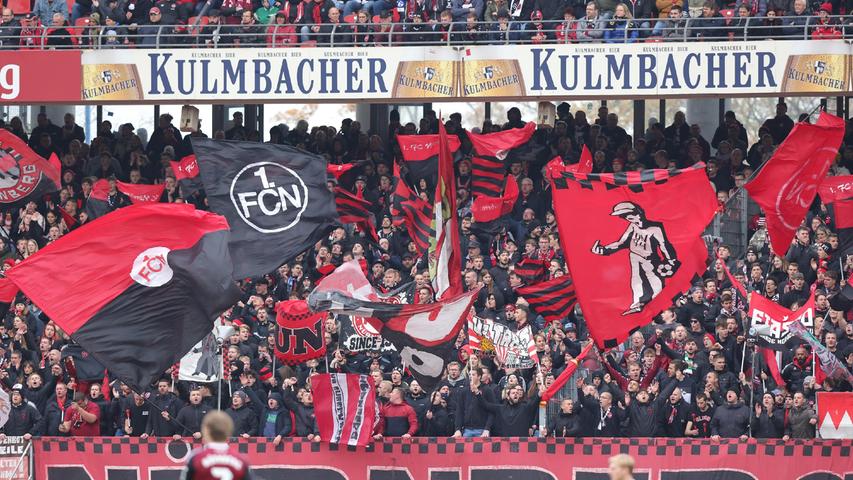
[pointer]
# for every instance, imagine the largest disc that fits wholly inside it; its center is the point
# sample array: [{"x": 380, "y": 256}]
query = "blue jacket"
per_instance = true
[
  {"x": 44, "y": 9},
  {"x": 614, "y": 31}
]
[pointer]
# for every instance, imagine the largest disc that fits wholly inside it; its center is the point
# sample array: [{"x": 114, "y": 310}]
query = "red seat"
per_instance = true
[
  {"x": 231, "y": 20},
  {"x": 308, "y": 44},
  {"x": 20, "y": 7},
  {"x": 349, "y": 18},
  {"x": 70, "y": 6}
]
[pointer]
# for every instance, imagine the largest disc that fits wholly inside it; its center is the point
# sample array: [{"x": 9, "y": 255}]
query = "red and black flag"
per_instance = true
[
  {"x": 444, "y": 255},
  {"x": 420, "y": 153},
  {"x": 531, "y": 270},
  {"x": 630, "y": 236},
  {"x": 491, "y": 214},
  {"x": 86, "y": 367},
  {"x": 187, "y": 174},
  {"x": 355, "y": 209},
  {"x": 141, "y": 193},
  {"x": 553, "y": 299},
  {"x": 98, "y": 201},
  {"x": 786, "y": 185},
  {"x": 274, "y": 197},
  {"x": 136, "y": 288},
  {"x": 24, "y": 175},
  {"x": 837, "y": 194},
  {"x": 412, "y": 211},
  {"x": 488, "y": 167},
  {"x": 424, "y": 334},
  {"x": 301, "y": 332},
  {"x": 344, "y": 173},
  {"x": 8, "y": 293}
]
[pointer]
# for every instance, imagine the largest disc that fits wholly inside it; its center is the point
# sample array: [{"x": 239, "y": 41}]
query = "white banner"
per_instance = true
[
  {"x": 204, "y": 362},
  {"x": 528, "y": 72}
]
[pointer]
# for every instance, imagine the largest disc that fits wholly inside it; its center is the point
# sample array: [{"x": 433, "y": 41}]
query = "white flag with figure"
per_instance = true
[{"x": 204, "y": 363}]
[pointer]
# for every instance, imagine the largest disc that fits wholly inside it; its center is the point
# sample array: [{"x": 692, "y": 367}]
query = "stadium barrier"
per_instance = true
[
  {"x": 125, "y": 458},
  {"x": 437, "y": 73}
]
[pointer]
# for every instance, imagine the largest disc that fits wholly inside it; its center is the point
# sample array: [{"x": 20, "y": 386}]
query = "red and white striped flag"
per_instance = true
[{"x": 345, "y": 407}]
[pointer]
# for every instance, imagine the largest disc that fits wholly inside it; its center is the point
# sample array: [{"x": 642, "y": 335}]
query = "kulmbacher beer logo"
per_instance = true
[
  {"x": 421, "y": 79},
  {"x": 111, "y": 82},
  {"x": 18, "y": 176},
  {"x": 269, "y": 197},
  {"x": 492, "y": 78},
  {"x": 151, "y": 267},
  {"x": 817, "y": 73}
]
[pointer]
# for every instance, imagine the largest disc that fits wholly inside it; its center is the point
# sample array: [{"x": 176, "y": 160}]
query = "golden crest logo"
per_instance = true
[
  {"x": 492, "y": 78},
  {"x": 111, "y": 82},
  {"x": 423, "y": 79},
  {"x": 818, "y": 73}
]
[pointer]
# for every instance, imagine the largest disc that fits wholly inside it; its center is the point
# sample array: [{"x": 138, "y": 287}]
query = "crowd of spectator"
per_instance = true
[
  {"x": 690, "y": 373},
  {"x": 282, "y": 23}
]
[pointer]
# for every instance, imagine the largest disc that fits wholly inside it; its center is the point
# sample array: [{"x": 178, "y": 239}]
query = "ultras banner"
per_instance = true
[
  {"x": 459, "y": 74},
  {"x": 106, "y": 458}
]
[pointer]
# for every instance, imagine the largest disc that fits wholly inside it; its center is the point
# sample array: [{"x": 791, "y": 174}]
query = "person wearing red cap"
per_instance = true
[{"x": 826, "y": 27}]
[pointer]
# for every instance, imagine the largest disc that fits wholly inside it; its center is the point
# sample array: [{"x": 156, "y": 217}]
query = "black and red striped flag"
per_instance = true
[
  {"x": 24, "y": 175},
  {"x": 136, "y": 288},
  {"x": 553, "y": 299},
  {"x": 420, "y": 152},
  {"x": 187, "y": 175},
  {"x": 645, "y": 248},
  {"x": 355, "y": 209},
  {"x": 410, "y": 210},
  {"x": 97, "y": 203},
  {"x": 837, "y": 194},
  {"x": 531, "y": 270},
  {"x": 488, "y": 167}
]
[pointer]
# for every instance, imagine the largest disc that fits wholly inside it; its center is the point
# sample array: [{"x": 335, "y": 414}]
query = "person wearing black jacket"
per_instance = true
[
  {"x": 245, "y": 418},
  {"x": 471, "y": 419},
  {"x": 699, "y": 418},
  {"x": 166, "y": 405},
  {"x": 56, "y": 406},
  {"x": 419, "y": 401},
  {"x": 275, "y": 421},
  {"x": 674, "y": 414},
  {"x": 96, "y": 396},
  {"x": 768, "y": 421},
  {"x": 513, "y": 417},
  {"x": 568, "y": 422},
  {"x": 36, "y": 391},
  {"x": 643, "y": 412},
  {"x": 24, "y": 419},
  {"x": 601, "y": 417},
  {"x": 136, "y": 414},
  {"x": 438, "y": 420},
  {"x": 189, "y": 418},
  {"x": 730, "y": 420},
  {"x": 303, "y": 410}
]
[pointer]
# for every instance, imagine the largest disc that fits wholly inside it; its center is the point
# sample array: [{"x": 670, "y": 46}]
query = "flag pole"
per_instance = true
[{"x": 752, "y": 389}]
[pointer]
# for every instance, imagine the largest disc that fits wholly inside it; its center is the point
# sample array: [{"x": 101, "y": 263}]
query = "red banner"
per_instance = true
[
  {"x": 300, "y": 334},
  {"x": 835, "y": 414},
  {"x": 140, "y": 193},
  {"x": 23, "y": 77},
  {"x": 456, "y": 459}
]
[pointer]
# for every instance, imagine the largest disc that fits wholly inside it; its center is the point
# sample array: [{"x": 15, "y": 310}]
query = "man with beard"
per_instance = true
[
  {"x": 166, "y": 404},
  {"x": 191, "y": 415},
  {"x": 699, "y": 418},
  {"x": 673, "y": 416},
  {"x": 419, "y": 400},
  {"x": 643, "y": 411},
  {"x": 514, "y": 416},
  {"x": 500, "y": 272}
]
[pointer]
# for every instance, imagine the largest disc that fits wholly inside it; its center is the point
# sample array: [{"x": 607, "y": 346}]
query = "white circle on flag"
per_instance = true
[
  {"x": 151, "y": 267},
  {"x": 269, "y": 197}
]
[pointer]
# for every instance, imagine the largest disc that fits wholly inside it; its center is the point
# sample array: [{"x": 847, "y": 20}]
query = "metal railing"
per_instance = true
[{"x": 602, "y": 30}]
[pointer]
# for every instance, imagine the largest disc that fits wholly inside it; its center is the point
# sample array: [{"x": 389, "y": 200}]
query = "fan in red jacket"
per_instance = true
[{"x": 396, "y": 418}]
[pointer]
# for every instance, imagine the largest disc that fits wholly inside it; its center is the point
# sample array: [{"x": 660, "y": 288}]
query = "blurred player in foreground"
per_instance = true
[
  {"x": 216, "y": 460},
  {"x": 621, "y": 467}
]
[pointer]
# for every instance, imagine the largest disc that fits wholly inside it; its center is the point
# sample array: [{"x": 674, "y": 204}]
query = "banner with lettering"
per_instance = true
[
  {"x": 512, "y": 349},
  {"x": 559, "y": 71}
]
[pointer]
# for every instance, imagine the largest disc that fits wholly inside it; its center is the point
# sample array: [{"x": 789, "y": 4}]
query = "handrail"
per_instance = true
[{"x": 485, "y": 33}]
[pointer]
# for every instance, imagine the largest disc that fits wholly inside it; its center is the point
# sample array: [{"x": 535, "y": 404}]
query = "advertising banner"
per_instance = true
[
  {"x": 32, "y": 76},
  {"x": 564, "y": 71},
  {"x": 455, "y": 459}
]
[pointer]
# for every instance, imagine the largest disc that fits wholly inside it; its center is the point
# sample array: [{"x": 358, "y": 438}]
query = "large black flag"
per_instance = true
[
  {"x": 274, "y": 197},
  {"x": 136, "y": 288}
]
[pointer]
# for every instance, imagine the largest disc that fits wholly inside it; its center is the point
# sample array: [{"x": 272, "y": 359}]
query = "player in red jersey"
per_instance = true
[{"x": 216, "y": 460}]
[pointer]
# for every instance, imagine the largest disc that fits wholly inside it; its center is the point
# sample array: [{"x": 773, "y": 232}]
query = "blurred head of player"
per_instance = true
[
  {"x": 621, "y": 467},
  {"x": 216, "y": 427}
]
